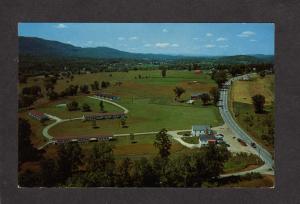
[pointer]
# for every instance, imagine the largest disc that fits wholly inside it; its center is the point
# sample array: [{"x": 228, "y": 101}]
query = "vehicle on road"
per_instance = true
[{"x": 253, "y": 145}]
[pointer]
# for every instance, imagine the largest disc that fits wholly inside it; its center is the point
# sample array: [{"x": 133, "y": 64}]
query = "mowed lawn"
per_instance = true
[{"x": 140, "y": 146}]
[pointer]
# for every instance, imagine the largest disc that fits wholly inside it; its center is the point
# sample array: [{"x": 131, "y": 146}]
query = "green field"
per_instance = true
[{"x": 149, "y": 99}]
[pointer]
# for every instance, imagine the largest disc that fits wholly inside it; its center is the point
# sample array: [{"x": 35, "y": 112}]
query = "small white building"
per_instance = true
[{"x": 198, "y": 130}]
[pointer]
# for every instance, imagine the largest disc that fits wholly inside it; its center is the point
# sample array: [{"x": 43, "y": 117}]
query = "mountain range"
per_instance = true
[{"x": 39, "y": 47}]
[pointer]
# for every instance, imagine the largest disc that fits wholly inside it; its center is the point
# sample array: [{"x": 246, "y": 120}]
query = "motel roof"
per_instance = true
[
  {"x": 36, "y": 113},
  {"x": 82, "y": 137},
  {"x": 200, "y": 127},
  {"x": 105, "y": 114}
]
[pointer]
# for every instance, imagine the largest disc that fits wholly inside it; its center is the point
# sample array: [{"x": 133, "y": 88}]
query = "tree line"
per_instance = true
[{"x": 101, "y": 168}]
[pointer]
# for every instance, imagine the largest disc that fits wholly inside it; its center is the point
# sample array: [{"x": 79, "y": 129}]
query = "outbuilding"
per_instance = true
[{"x": 198, "y": 130}]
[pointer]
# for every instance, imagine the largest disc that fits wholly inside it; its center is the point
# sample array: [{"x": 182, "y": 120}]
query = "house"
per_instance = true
[
  {"x": 198, "y": 130},
  {"x": 38, "y": 115},
  {"x": 196, "y": 96},
  {"x": 205, "y": 139},
  {"x": 104, "y": 116},
  {"x": 107, "y": 96}
]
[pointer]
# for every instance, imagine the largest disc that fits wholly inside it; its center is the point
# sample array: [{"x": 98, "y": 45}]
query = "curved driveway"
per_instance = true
[{"x": 228, "y": 119}]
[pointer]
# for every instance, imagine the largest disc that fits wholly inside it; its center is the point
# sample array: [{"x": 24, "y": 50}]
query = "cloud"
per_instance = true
[
  {"x": 147, "y": 45},
  {"x": 121, "y": 38},
  {"x": 89, "y": 42},
  {"x": 195, "y": 38},
  {"x": 223, "y": 46},
  {"x": 221, "y": 39},
  {"x": 246, "y": 34},
  {"x": 165, "y": 30},
  {"x": 133, "y": 38},
  {"x": 61, "y": 26},
  {"x": 253, "y": 40},
  {"x": 209, "y": 34},
  {"x": 174, "y": 45},
  {"x": 210, "y": 46},
  {"x": 162, "y": 45}
]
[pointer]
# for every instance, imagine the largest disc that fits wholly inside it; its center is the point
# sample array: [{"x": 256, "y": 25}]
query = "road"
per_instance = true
[
  {"x": 111, "y": 102},
  {"x": 228, "y": 119}
]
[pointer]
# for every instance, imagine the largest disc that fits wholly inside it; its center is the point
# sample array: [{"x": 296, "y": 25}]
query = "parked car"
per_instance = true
[
  {"x": 219, "y": 136},
  {"x": 253, "y": 145}
]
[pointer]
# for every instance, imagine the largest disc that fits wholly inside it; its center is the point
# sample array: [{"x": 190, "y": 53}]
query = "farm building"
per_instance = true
[
  {"x": 104, "y": 116},
  {"x": 196, "y": 96},
  {"x": 107, "y": 96},
  {"x": 198, "y": 130},
  {"x": 38, "y": 115},
  {"x": 84, "y": 139}
]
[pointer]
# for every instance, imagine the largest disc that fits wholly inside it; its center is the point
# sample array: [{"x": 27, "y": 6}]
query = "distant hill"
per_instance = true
[{"x": 39, "y": 47}]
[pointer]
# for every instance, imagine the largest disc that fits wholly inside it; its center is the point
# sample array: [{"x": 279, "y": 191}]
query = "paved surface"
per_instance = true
[
  {"x": 111, "y": 102},
  {"x": 228, "y": 119}
]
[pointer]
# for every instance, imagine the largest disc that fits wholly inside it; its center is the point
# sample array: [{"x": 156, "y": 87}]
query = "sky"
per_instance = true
[{"x": 199, "y": 39}]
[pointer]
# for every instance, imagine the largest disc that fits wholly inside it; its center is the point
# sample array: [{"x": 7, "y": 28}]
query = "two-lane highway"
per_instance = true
[{"x": 228, "y": 119}]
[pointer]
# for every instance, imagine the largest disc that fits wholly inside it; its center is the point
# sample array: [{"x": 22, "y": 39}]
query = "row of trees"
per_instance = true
[{"x": 100, "y": 168}]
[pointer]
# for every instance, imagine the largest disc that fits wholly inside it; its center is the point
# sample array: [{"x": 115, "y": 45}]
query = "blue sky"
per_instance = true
[{"x": 163, "y": 38}]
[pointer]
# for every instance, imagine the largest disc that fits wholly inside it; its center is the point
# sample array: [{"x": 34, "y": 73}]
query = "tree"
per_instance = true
[
  {"x": 72, "y": 106},
  {"x": 69, "y": 159},
  {"x": 205, "y": 98},
  {"x": 164, "y": 72},
  {"x": 85, "y": 107},
  {"x": 214, "y": 158},
  {"x": 220, "y": 77},
  {"x": 101, "y": 104},
  {"x": 52, "y": 95},
  {"x": 143, "y": 174},
  {"x": 123, "y": 177},
  {"x": 84, "y": 89},
  {"x": 123, "y": 122},
  {"x": 262, "y": 74},
  {"x": 258, "y": 102},
  {"x": 215, "y": 93},
  {"x": 48, "y": 172},
  {"x": 26, "y": 151},
  {"x": 96, "y": 84},
  {"x": 163, "y": 143},
  {"x": 178, "y": 92}
]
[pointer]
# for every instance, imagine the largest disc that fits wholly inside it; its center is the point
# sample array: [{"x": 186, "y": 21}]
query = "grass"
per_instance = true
[
  {"x": 62, "y": 112},
  {"x": 244, "y": 181},
  {"x": 244, "y": 90},
  {"x": 242, "y": 108},
  {"x": 242, "y": 162},
  {"x": 191, "y": 140},
  {"x": 144, "y": 117}
]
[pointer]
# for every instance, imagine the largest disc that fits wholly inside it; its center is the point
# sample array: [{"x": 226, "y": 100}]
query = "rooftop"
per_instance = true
[{"x": 200, "y": 127}]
